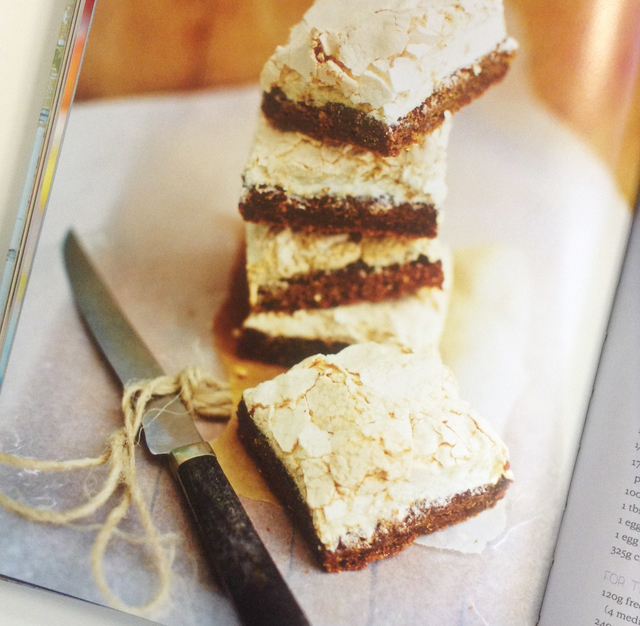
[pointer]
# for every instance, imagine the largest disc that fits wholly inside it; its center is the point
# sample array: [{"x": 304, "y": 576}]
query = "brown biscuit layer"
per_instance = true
[
  {"x": 286, "y": 351},
  {"x": 389, "y": 538},
  {"x": 333, "y": 214},
  {"x": 356, "y": 282},
  {"x": 350, "y": 125}
]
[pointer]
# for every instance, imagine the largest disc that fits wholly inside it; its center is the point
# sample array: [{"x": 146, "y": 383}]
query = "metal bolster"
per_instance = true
[{"x": 191, "y": 451}]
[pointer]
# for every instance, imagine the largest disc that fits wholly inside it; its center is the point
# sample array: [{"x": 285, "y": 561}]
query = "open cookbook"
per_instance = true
[{"x": 468, "y": 450}]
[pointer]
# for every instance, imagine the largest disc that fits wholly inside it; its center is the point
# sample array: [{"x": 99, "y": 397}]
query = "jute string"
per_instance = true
[{"x": 204, "y": 396}]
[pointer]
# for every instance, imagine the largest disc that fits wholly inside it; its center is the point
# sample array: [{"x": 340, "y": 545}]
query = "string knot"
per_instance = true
[{"x": 204, "y": 396}]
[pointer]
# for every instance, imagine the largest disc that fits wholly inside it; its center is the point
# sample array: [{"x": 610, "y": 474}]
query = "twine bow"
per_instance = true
[{"x": 203, "y": 395}]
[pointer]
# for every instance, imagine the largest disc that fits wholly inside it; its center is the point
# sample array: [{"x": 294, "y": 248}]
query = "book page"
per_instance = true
[
  {"x": 595, "y": 578},
  {"x": 29, "y": 30},
  {"x": 151, "y": 185}
]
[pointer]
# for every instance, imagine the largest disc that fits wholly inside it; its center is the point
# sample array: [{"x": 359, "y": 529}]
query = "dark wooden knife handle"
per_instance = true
[{"x": 233, "y": 548}]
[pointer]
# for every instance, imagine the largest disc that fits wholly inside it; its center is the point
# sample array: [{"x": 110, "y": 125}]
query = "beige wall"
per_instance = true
[{"x": 139, "y": 46}]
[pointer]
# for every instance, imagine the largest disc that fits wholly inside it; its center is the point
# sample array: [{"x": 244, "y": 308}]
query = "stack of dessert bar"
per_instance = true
[
  {"x": 343, "y": 198},
  {"x": 344, "y": 188}
]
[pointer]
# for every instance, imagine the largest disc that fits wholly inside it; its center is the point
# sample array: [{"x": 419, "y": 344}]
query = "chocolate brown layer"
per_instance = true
[
  {"x": 356, "y": 282},
  {"x": 389, "y": 538},
  {"x": 333, "y": 214},
  {"x": 286, "y": 351},
  {"x": 350, "y": 125}
]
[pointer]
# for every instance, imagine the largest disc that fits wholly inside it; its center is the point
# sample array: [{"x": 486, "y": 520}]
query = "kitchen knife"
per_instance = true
[{"x": 238, "y": 558}]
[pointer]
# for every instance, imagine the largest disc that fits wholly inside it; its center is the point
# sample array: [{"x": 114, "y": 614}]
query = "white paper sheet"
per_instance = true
[{"x": 152, "y": 186}]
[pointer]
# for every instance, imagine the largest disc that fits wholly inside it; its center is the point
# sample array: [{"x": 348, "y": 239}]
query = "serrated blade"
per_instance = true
[{"x": 167, "y": 423}]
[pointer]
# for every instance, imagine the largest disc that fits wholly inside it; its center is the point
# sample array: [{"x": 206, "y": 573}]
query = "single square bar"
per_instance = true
[
  {"x": 371, "y": 448},
  {"x": 381, "y": 74},
  {"x": 289, "y": 270},
  {"x": 325, "y": 187}
]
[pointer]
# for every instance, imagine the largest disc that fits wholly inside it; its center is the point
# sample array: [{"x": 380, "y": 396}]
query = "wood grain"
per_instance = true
[{"x": 584, "y": 57}]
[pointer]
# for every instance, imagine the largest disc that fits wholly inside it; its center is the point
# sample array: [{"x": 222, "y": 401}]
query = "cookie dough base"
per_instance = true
[
  {"x": 284, "y": 351},
  {"x": 390, "y": 537},
  {"x": 356, "y": 282},
  {"x": 337, "y": 214},
  {"x": 350, "y": 125}
]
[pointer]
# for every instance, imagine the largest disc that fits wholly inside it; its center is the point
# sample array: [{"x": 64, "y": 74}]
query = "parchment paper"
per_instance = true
[{"x": 151, "y": 185}]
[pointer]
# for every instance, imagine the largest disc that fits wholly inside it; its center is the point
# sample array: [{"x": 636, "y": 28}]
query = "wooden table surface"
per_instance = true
[{"x": 583, "y": 57}]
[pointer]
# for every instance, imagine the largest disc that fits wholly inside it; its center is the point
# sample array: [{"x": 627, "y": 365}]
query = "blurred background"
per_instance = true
[{"x": 583, "y": 57}]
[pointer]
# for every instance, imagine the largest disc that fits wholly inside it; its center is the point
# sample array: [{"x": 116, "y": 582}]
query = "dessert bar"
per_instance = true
[
  {"x": 381, "y": 74},
  {"x": 325, "y": 187},
  {"x": 370, "y": 448},
  {"x": 289, "y": 270}
]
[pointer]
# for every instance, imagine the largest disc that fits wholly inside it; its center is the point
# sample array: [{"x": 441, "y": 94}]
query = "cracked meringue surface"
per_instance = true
[
  {"x": 307, "y": 167},
  {"x": 371, "y": 432},
  {"x": 385, "y": 57}
]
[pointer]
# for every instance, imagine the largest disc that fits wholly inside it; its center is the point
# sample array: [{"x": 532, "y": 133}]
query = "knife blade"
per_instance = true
[{"x": 234, "y": 551}]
